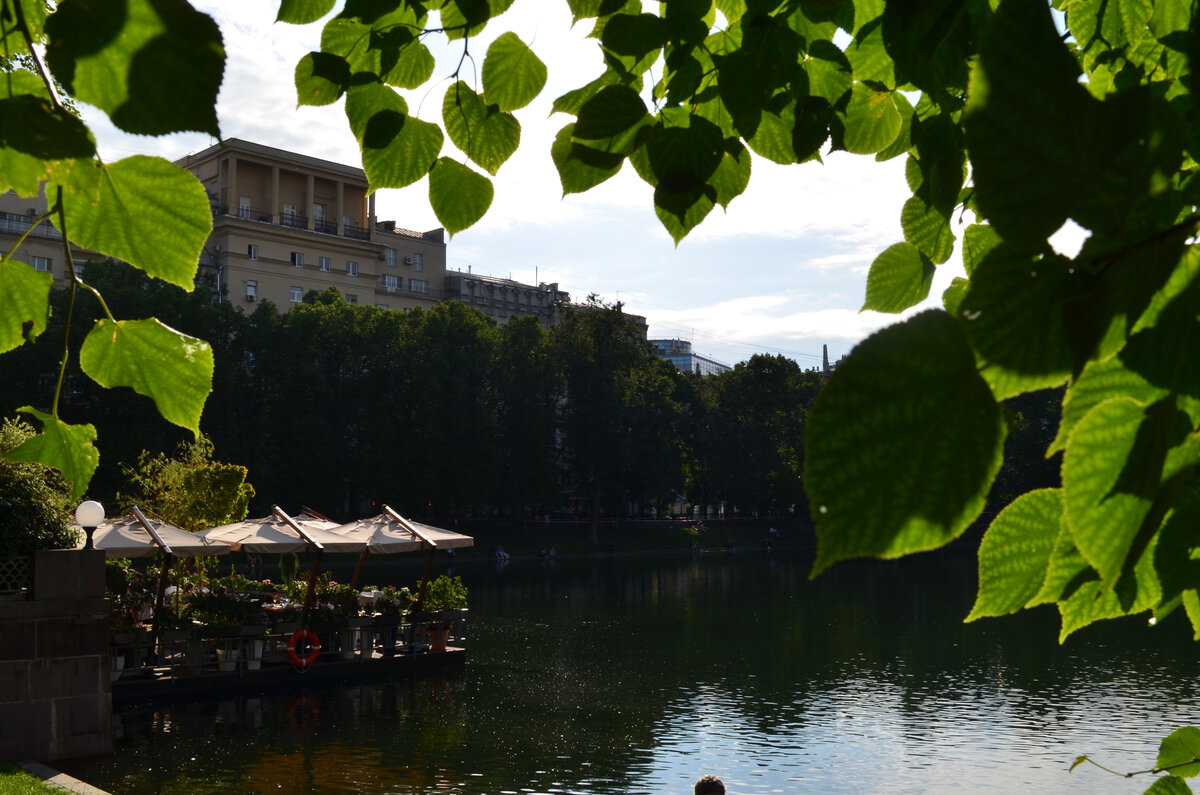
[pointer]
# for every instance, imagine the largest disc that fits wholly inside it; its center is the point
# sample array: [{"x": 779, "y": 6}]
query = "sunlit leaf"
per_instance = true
[
  {"x": 302, "y": 12},
  {"x": 903, "y": 443},
  {"x": 580, "y": 168},
  {"x": 67, "y": 448},
  {"x": 900, "y": 277},
  {"x": 154, "y": 67},
  {"x": 397, "y": 149},
  {"x": 172, "y": 369},
  {"x": 486, "y": 134},
  {"x": 32, "y": 131},
  {"x": 149, "y": 212},
  {"x": 459, "y": 196},
  {"x": 321, "y": 78},
  {"x": 872, "y": 120},
  {"x": 26, "y": 300},
  {"x": 927, "y": 229},
  {"x": 512, "y": 75},
  {"x": 1015, "y": 553},
  {"x": 1179, "y": 753}
]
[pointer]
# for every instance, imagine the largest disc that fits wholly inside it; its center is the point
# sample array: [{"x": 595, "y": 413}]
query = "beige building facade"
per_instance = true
[
  {"x": 285, "y": 223},
  {"x": 43, "y": 246},
  {"x": 503, "y": 299}
]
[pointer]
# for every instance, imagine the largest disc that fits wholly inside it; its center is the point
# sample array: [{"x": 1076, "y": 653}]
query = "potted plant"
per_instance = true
[
  {"x": 391, "y": 604},
  {"x": 445, "y": 605}
]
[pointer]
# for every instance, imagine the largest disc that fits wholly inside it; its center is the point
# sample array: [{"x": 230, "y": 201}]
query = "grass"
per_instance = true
[{"x": 14, "y": 781}]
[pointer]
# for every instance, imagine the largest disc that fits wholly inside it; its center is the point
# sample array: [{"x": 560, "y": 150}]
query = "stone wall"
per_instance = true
[{"x": 55, "y": 687}]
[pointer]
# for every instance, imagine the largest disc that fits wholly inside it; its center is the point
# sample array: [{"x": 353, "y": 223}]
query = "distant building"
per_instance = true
[
  {"x": 503, "y": 299},
  {"x": 43, "y": 248},
  {"x": 680, "y": 354},
  {"x": 286, "y": 223}
]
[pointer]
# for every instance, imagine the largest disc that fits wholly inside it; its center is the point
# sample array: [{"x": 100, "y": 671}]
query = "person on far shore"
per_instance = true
[{"x": 708, "y": 784}]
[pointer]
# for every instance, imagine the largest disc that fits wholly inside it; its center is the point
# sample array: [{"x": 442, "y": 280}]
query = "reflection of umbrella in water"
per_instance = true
[
  {"x": 280, "y": 533},
  {"x": 389, "y": 532}
]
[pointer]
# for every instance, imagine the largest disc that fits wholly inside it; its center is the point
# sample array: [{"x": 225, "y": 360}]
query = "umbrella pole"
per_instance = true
[
  {"x": 425, "y": 578},
  {"x": 158, "y": 604},
  {"x": 310, "y": 597},
  {"x": 358, "y": 569}
]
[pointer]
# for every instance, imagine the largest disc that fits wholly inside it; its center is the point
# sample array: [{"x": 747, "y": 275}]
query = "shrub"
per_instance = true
[{"x": 35, "y": 501}]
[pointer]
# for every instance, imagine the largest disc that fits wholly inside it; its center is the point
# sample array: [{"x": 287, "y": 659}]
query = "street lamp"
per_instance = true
[{"x": 89, "y": 514}]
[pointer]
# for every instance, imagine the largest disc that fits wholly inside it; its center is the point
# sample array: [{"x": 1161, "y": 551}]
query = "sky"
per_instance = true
[{"x": 783, "y": 271}]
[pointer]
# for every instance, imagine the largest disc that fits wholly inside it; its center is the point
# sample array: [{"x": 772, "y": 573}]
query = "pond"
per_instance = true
[{"x": 638, "y": 674}]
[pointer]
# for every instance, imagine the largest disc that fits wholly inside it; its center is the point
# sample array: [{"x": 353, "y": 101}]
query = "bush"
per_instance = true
[{"x": 35, "y": 501}]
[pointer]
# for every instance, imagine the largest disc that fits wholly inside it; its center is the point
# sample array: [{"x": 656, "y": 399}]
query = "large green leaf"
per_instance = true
[
  {"x": 154, "y": 66},
  {"x": 978, "y": 241},
  {"x": 580, "y": 168},
  {"x": 732, "y": 175},
  {"x": 899, "y": 278},
  {"x": 1066, "y": 571},
  {"x": 67, "y": 448},
  {"x": 148, "y": 212},
  {"x": 1176, "y": 557},
  {"x": 1015, "y": 553},
  {"x": 1099, "y": 382},
  {"x": 512, "y": 75},
  {"x": 927, "y": 229},
  {"x": 1179, "y": 753},
  {"x": 32, "y": 131},
  {"x": 26, "y": 300},
  {"x": 1111, "y": 471},
  {"x": 397, "y": 149},
  {"x": 302, "y": 12},
  {"x": 612, "y": 120},
  {"x": 172, "y": 369},
  {"x": 321, "y": 78},
  {"x": 872, "y": 120},
  {"x": 1137, "y": 592},
  {"x": 680, "y": 211},
  {"x": 903, "y": 443},
  {"x": 459, "y": 196},
  {"x": 486, "y": 134},
  {"x": 1014, "y": 318}
]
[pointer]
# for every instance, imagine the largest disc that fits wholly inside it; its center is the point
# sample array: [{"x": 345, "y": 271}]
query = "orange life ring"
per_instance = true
[
  {"x": 303, "y": 713},
  {"x": 314, "y": 648}
]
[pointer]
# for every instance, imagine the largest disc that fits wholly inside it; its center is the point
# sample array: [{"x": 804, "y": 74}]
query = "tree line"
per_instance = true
[{"x": 445, "y": 415}]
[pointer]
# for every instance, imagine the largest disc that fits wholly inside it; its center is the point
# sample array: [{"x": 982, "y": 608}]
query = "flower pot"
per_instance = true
[
  {"x": 227, "y": 659},
  {"x": 118, "y": 664},
  {"x": 254, "y": 654}
]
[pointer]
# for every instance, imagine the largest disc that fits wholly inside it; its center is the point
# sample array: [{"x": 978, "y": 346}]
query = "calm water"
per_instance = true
[{"x": 636, "y": 675}]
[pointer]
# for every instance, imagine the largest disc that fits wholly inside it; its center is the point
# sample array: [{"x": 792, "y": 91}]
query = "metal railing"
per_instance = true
[
  {"x": 14, "y": 575},
  {"x": 13, "y": 224}
]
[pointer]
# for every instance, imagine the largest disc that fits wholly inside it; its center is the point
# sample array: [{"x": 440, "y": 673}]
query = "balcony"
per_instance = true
[
  {"x": 325, "y": 227},
  {"x": 293, "y": 220},
  {"x": 13, "y": 224},
  {"x": 290, "y": 220}
]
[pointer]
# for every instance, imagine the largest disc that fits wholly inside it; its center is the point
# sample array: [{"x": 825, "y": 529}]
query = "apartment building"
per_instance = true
[
  {"x": 502, "y": 299},
  {"x": 43, "y": 247},
  {"x": 286, "y": 223},
  {"x": 680, "y": 354}
]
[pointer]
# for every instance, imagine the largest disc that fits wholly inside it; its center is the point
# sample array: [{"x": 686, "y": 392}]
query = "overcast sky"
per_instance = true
[{"x": 783, "y": 271}]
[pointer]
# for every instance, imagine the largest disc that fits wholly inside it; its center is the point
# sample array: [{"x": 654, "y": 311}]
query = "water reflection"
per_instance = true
[{"x": 636, "y": 675}]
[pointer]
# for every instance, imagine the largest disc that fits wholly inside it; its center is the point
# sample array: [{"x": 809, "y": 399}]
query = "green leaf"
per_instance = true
[
  {"x": 1179, "y": 753},
  {"x": 484, "y": 133},
  {"x": 732, "y": 174},
  {"x": 172, "y": 369},
  {"x": 154, "y": 67},
  {"x": 927, "y": 229},
  {"x": 26, "y": 300},
  {"x": 1093, "y": 601},
  {"x": 1014, "y": 318},
  {"x": 612, "y": 120},
  {"x": 149, "y": 212},
  {"x": 978, "y": 241},
  {"x": 397, "y": 149},
  {"x": 900, "y": 277},
  {"x": 321, "y": 78},
  {"x": 830, "y": 75},
  {"x": 681, "y": 211},
  {"x": 1111, "y": 472},
  {"x": 930, "y": 43},
  {"x": 1015, "y": 553},
  {"x": 774, "y": 135},
  {"x": 458, "y": 195},
  {"x": 302, "y": 12},
  {"x": 32, "y": 131},
  {"x": 872, "y": 120},
  {"x": 1099, "y": 382},
  {"x": 903, "y": 443},
  {"x": 1176, "y": 557},
  {"x": 67, "y": 448},
  {"x": 1066, "y": 572},
  {"x": 870, "y": 57},
  {"x": 512, "y": 75},
  {"x": 952, "y": 296},
  {"x": 580, "y": 168}
]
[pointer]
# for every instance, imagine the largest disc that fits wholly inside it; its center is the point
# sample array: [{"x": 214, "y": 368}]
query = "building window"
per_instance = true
[
  {"x": 418, "y": 262},
  {"x": 295, "y": 294},
  {"x": 252, "y": 251},
  {"x": 289, "y": 214},
  {"x": 389, "y": 254},
  {"x": 326, "y": 263},
  {"x": 352, "y": 298},
  {"x": 243, "y": 206},
  {"x": 41, "y": 264},
  {"x": 418, "y": 286},
  {"x": 79, "y": 271},
  {"x": 251, "y": 290},
  {"x": 391, "y": 283},
  {"x": 351, "y": 268},
  {"x": 382, "y": 306},
  {"x": 298, "y": 259}
]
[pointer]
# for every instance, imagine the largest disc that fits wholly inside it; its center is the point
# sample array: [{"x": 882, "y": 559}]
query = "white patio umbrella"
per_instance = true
[
  {"x": 282, "y": 533},
  {"x": 136, "y": 536},
  {"x": 389, "y": 533}
]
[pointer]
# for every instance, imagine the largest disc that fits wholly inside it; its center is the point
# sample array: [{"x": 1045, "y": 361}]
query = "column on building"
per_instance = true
[
  {"x": 341, "y": 208},
  {"x": 312, "y": 201},
  {"x": 274, "y": 197}
]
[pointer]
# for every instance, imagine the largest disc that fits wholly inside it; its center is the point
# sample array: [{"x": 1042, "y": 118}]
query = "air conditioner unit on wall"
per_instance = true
[
  {"x": 408, "y": 260},
  {"x": 249, "y": 297}
]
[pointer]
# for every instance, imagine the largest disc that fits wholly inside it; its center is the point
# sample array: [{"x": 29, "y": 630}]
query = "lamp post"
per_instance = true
[{"x": 89, "y": 514}]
